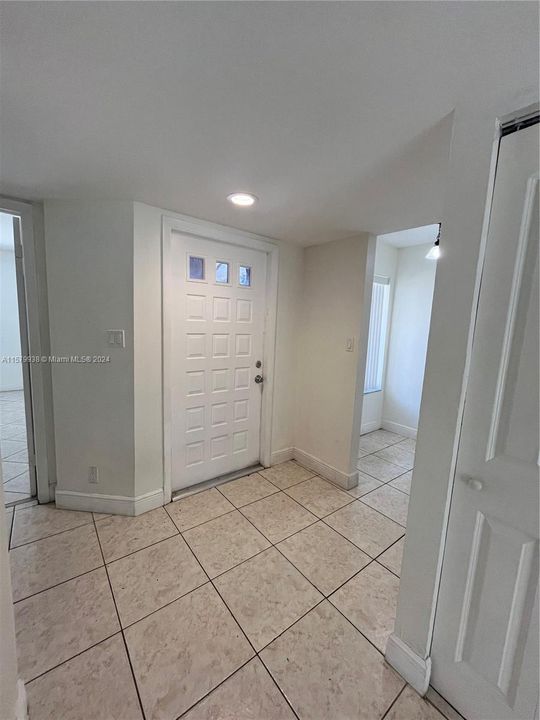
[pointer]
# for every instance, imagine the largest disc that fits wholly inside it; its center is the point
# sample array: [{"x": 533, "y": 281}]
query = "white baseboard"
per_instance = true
[
  {"x": 369, "y": 427},
  {"x": 114, "y": 504},
  {"x": 11, "y": 388},
  {"x": 326, "y": 471},
  {"x": 280, "y": 456},
  {"x": 412, "y": 668},
  {"x": 21, "y": 706},
  {"x": 399, "y": 429}
]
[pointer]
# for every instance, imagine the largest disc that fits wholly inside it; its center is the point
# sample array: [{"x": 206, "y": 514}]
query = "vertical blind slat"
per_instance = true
[{"x": 376, "y": 337}]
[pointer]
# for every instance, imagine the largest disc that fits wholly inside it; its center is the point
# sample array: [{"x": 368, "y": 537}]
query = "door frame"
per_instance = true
[
  {"x": 218, "y": 233},
  {"x": 31, "y": 227}
]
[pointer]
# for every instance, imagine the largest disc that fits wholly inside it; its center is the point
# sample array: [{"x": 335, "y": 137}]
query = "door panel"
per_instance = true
[
  {"x": 217, "y": 327},
  {"x": 485, "y": 645}
]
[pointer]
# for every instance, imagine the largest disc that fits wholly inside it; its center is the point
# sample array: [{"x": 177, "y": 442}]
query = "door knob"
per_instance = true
[
  {"x": 258, "y": 379},
  {"x": 472, "y": 482}
]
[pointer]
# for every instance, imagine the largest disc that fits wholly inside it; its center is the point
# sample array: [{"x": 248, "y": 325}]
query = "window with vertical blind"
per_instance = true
[{"x": 378, "y": 325}]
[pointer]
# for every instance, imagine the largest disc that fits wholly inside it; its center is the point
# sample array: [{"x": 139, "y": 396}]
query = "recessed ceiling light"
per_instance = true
[{"x": 242, "y": 199}]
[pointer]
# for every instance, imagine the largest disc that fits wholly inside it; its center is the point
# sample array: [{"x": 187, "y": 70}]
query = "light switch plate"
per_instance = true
[{"x": 116, "y": 338}]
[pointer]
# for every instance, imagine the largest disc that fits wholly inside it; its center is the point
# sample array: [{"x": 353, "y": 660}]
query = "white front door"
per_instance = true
[
  {"x": 217, "y": 319},
  {"x": 485, "y": 644}
]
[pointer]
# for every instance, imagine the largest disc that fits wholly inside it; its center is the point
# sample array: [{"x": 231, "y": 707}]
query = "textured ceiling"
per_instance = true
[{"x": 336, "y": 115}]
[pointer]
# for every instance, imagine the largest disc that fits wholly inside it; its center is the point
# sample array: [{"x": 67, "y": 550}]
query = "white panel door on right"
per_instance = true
[
  {"x": 217, "y": 333},
  {"x": 485, "y": 645}
]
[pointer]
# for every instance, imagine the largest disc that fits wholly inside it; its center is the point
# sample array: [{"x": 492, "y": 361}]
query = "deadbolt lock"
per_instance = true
[{"x": 258, "y": 364}]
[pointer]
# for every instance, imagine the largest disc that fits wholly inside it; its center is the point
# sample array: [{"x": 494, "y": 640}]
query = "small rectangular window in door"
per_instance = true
[
  {"x": 196, "y": 268},
  {"x": 244, "y": 276},
  {"x": 222, "y": 272}
]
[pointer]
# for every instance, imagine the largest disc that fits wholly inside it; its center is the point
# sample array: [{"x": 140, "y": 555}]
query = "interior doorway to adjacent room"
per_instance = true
[
  {"x": 16, "y": 423},
  {"x": 400, "y": 315}
]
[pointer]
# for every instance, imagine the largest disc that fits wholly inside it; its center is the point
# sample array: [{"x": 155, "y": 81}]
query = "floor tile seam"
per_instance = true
[
  {"x": 6, "y": 458},
  {"x": 358, "y": 546},
  {"x": 245, "y": 560},
  {"x": 383, "y": 514},
  {"x": 18, "y": 475},
  {"x": 227, "y": 512},
  {"x": 357, "y": 500},
  {"x": 162, "y": 607},
  {"x": 378, "y": 488},
  {"x": 45, "y": 537},
  {"x": 251, "y": 502},
  {"x": 134, "y": 552},
  {"x": 384, "y": 482},
  {"x": 58, "y": 584},
  {"x": 364, "y": 636},
  {"x": 351, "y": 499},
  {"x": 396, "y": 488},
  {"x": 126, "y": 648},
  {"x": 293, "y": 484},
  {"x": 394, "y": 701},
  {"x": 72, "y": 657},
  {"x": 274, "y": 543},
  {"x": 227, "y": 606}
]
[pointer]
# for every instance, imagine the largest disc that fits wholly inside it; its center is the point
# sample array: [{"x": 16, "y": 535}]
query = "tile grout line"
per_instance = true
[
  {"x": 243, "y": 633},
  {"x": 272, "y": 544},
  {"x": 120, "y": 624},
  {"x": 62, "y": 582},
  {"x": 185, "y": 712},
  {"x": 324, "y": 597},
  {"x": 384, "y": 514},
  {"x": 346, "y": 538},
  {"x": 394, "y": 701},
  {"x": 60, "y": 532},
  {"x": 257, "y": 653},
  {"x": 63, "y": 662},
  {"x": 134, "y": 552}
]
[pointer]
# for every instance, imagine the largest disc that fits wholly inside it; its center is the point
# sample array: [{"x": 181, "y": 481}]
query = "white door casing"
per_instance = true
[
  {"x": 485, "y": 642},
  {"x": 218, "y": 324},
  {"x": 25, "y": 352}
]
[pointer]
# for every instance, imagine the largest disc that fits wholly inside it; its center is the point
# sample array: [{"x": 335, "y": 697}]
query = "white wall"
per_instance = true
[
  {"x": 104, "y": 271},
  {"x": 409, "y": 330},
  {"x": 10, "y": 340},
  {"x": 386, "y": 258},
  {"x": 332, "y": 310},
  {"x": 89, "y": 249}
]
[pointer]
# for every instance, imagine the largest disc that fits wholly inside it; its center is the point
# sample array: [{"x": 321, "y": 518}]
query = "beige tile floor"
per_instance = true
[
  {"x": 13, "y": 447},
  {"x": 268, "y": 598}
]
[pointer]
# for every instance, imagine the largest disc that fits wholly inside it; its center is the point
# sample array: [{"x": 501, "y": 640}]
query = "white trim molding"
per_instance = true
[
  {"x": 114, "y": 504},
  {"x": 279, "y": 456},
  {"x": 21, "y": 706},
  {"x": 344, "y": 480},
  {"x": 32, "y": 237},
  {"x": 412, "y": 668},
  {"x": 399, "y": 429},
  {"x": 369, "y": 427}
]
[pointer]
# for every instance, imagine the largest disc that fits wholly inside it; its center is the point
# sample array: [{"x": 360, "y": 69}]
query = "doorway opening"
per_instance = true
[
  {"x": 219, "y": 312},
  {"x": 400, "y": 315},
  {"x": 16, "y": 421}
]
